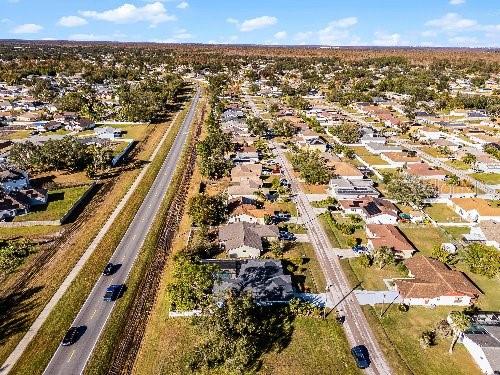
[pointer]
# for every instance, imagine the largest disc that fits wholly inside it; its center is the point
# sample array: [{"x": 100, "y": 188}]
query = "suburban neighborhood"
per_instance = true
[{"x": 311, "y": 203}]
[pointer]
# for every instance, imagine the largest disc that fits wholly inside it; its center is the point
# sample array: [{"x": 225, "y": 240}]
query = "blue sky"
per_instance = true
[{"x": 470, "y": 23}]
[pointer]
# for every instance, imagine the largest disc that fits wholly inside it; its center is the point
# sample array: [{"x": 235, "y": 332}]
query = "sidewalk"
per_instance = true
[{"x": 39, "y": 321}]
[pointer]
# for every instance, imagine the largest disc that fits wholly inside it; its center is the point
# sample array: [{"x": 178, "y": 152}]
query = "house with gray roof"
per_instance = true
[
  {"x": 244, "y": 240},
  {"x": 482, "y": 340},
  {"x": 264, "y": 279}
]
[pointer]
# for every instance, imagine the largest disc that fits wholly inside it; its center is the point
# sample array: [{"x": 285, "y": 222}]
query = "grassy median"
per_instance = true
[{"x": 40, "y": 350}]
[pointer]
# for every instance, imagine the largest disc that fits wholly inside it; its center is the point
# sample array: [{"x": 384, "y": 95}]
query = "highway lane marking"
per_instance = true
[
  {"x": 92, "y": 317},
  {"x": 71, "y": 355}
]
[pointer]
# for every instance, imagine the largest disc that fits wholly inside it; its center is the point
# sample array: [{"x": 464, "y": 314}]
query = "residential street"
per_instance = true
[
  {"x": 95, "y": 312},
  {"x": 356, "y": 326},
  {"x": 357, "y": 330}
]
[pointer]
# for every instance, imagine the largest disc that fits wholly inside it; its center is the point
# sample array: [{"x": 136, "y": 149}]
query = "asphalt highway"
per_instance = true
[{"x": 95, "y": 312}]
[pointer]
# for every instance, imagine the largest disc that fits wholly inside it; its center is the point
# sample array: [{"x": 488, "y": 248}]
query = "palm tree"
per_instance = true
[{"x": 459, "y": 323}]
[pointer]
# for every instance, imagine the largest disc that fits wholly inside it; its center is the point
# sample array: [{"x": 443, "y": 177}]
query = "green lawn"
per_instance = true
[
  {"x": 372, "y": 278},
  {"x": 136, "y": 132},
  {"x": 317, "y": 347},
  {"x": 367, "y": 156},
  {"x": 18, "y": 134},
  {"x": 337, "y": 238},
  {"x": 456, "y": 232},
  {"x": 487, "y": 178},
  {"x": 423, "y": 237},
  {"x": 59, "y": 202},
  {"x": 28, "y": 232},
  {"x": 307, "y": 275},
  {"x": 399, "y": 334},
  {"x": 432, "y": 151},
  {"x": 458, "y": 164},
  {"x": 441, "y": 213}
]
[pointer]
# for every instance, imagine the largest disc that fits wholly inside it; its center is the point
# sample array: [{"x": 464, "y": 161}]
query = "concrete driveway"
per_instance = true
[{"x": 370, "y": 297}]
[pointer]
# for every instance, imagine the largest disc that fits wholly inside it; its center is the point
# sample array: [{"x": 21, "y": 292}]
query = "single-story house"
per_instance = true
[
  {"x": 248, "y": 213},
  {"x": 486, "y": 232},
  {"x": 12, "y": 178},
  {"x": 108, "y": 132},
  {"x": 482, "y": 340},
  {"x": 426, "y": 172},
  {"x": 346, "y": 188},
  {"x": 399, "y": 159},
  {"x": 378, "y": 148},
  {"x": 433, "y": 283},
  {"x": 475, "y": 209},
  {"x": 373, "y": 210},
  {"x": 245, "y": 172},
  {"x": 379, "y": 235},
  {"x": 244, "y": 240},
  {"x": 345, "y": 170},
  {"x": 247, "y": 155},
  {"x": 264, "y": 279},
  {"x": 244, "y": 191}
]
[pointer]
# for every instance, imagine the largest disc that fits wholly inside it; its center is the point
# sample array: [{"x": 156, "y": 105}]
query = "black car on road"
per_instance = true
[
  {"x": 360, "y": 354},
  {"x": 72, "y": 336},
  {"x": 109, "y": 269},
  {"x": 113, "y": 292}
]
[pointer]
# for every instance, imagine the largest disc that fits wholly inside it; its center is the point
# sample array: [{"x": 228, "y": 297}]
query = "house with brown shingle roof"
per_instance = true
[
  {"x": 426, "y": 172},
  {"x": 399, "y": 159},
  {"x": 249, "y": 213},
  {"x": 244, "y": 240},
  {"x": 433, "y": 283},
  {"x": 379, "y": 235}
]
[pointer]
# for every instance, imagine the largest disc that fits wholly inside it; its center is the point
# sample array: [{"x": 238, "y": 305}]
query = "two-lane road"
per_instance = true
[
  {"x": 71, "y": 360},
  {"x": 357, "y": 329},
  {"x": 339, "y": 291}
]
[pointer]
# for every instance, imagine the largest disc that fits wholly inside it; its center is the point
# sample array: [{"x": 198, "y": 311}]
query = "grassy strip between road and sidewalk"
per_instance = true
[
  {"x": 41, "y": 348},
  {"x": 17, "y": 316},
  {"x": 102, "y": 354}
]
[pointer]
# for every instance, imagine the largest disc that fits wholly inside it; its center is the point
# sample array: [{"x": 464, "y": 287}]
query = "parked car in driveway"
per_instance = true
[
  {"x": 287, "y": 236},
  {"x": 113, "y": 292},
  {"x": 361, "y": 356},
  {"x": 282, "y": 215},
  {"x": 359, "y": 249}
]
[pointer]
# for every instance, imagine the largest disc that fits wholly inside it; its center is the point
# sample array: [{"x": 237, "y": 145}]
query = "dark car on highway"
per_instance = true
[
  {"x": 72, "y": 336},
  {"x": 109, "y": 269},
  {"x": 113, "y": 292},
  {"x": 360, "y": 354}
]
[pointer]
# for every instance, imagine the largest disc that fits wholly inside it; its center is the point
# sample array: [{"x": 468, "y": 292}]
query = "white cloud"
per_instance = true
[
  {"x": 452, "y": 22},
  {"x": 344, "y": 22},
  {"x": 337, "y": 32},
  {"x": 154, "y": 13},
  {"x": 232, "y": 20},
  {"x": 457, "y": 2},
  {"x": 384, "y": 39},
  {"x": 27, "y": 28},
  {"x": 183, "y": 5},
  {"x": 257, "y": 23},
  {"x": 71, "y": 21},
  {"x": 280, "y": 35}
]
